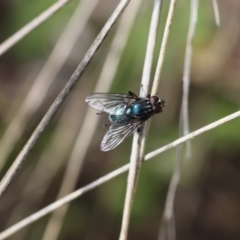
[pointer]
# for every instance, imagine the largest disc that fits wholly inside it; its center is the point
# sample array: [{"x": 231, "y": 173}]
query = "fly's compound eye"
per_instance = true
[
  {"x": 157, "y": 108},
  {"x": 157, "y": 104},
  {"x": 154, "y": 100}
]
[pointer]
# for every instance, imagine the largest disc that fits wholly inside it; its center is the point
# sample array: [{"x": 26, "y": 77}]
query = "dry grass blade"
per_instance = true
[
  {"x": 163, "y": 47},
  {"x": 37, "y": 93},
  {"x": 6, "y": 45},
  {"x": 168, "y": 226},
  {"x": 187, "y": 65},
  {"x": 90, "y": 121},
  {"x": 62, "y": 96},
  {"x": 139, "y": 142},
  {"x": 50, "y": 162},
  {"x": 34, "y": 217},
  {"x": 216, "y": 12},
  {"x": 193, "y": 134}
]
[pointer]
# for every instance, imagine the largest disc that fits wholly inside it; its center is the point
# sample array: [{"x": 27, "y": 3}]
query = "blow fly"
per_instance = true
[{"x": 127, "y": 114}]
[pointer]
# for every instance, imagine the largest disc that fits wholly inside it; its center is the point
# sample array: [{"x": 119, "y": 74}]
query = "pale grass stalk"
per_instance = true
[
  {"x": 51, "y": 161},
  {"x": 216, "y": 12},
  {"x": 37, "y": 93},
  {"x": 62, "y": 96},
  {"x": 167, "y": 28},
  {"x": 190, "y": 136},
  {"x": 138, "y": 145},
  {"x": 187, "y": 65},
  {"x": 15, "y": 38},
  {"x": 52, "y": 207},
  {"x": 157, "y": 76},
  {"x": 90, "y": 121},
  {"x": 162, "y": 52},
  {"x": 167, "y": 229}
]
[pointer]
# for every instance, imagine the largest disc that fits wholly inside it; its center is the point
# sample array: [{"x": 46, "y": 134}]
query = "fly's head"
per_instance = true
[{"x": 157, "y": 104}]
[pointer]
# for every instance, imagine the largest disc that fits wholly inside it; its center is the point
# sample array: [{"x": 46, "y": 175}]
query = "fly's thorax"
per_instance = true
[{"x": 141, "y": 109}]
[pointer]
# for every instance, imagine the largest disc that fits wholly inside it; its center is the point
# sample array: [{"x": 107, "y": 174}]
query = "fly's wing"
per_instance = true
[
  {"x": 117, "y": 133},
  {"x": 109, "y": 102}
]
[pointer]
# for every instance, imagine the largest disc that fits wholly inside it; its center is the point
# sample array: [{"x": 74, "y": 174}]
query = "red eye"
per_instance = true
[
  {"x": 154, "y": 100},
  {"x": 157, "y": 108},
  {"x": 157, "y": 104}
]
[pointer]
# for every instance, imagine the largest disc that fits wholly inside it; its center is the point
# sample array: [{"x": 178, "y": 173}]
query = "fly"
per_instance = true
[{"x": 127, "y": 114}]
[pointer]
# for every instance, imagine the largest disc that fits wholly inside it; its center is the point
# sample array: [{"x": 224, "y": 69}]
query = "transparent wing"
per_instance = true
[
  {"x": 117, "y": 133},
  {"x": 109, "y": 102}
]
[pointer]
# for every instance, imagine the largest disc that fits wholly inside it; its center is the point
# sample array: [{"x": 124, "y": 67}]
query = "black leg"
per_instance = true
[
  {"x": 132, "y": 94},
  {"x": 139, "y": 129},
  {"x": 107, "y": 125}
]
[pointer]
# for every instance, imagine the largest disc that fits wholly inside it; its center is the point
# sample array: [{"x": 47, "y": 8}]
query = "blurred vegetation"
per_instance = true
[{"x": 207, "y": 202}]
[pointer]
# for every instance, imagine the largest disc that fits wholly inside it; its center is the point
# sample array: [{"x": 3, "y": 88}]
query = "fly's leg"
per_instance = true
[
  {"x": 132, "y": 94},
  {"x": 100, "y": 113},
  {"x": 107, "y": 125},
  {"x": 139, "y": 129},
  {"x": 135, "y": 96}
]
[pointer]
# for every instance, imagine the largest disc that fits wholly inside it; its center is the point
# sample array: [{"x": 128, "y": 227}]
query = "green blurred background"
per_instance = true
[{"x": 207, "y": 202}]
